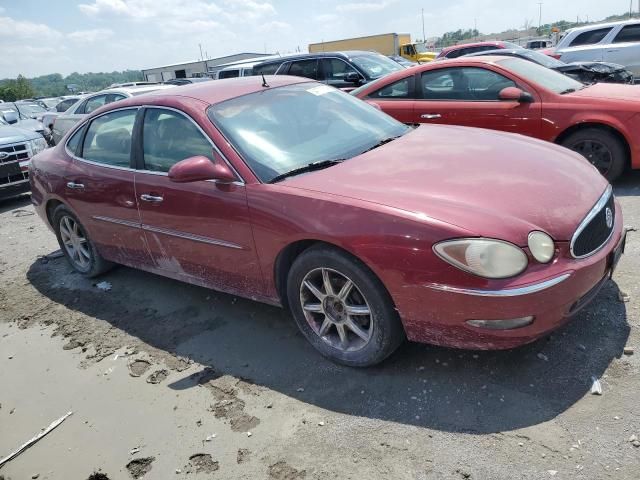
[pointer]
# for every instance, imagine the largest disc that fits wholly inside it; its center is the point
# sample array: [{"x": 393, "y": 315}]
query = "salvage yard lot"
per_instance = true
[{"x": 153, "y": 368}]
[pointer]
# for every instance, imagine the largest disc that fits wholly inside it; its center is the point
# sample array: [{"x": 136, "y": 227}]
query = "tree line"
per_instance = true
[{"x": 55, "y": 85}]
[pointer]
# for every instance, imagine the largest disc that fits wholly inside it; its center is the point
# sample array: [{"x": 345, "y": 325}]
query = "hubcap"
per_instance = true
[
  {"x": 75, "y": 243},
  {"x": 596, "y": 152},
  {"x": 336, "y": 310}
]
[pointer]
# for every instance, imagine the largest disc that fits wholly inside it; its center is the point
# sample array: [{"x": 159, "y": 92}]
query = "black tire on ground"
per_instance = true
[
  {"x": 95, "y": 264},
  {"x": 598, "y": 145},
  {"x": 385, "y": 331}
]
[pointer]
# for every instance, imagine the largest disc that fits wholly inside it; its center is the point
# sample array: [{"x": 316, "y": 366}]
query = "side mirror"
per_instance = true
[
  {"x": 515, "y": 94},
  {"x": 352, "y": 77},
  {"x": 198, "y": 168},
  {"x": 10, "y": 116}
]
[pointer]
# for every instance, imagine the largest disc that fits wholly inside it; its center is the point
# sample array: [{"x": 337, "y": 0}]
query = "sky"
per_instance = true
[{"x": 39, "y": 37}]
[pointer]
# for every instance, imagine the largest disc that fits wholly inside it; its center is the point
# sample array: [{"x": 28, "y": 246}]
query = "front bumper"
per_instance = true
[
  {"x": 9, "y": 190},
  {"x": 438, "y": 314}
]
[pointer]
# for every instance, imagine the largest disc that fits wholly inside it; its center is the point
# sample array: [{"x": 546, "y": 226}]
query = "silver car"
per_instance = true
[
  {"x": 65, "y": 121},
  {"x": 617, "y": 42}
]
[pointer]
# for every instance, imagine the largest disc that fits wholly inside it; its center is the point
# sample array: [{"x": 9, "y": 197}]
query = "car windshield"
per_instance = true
[
  {"x": 282, "y": 129},
  {"x": 547, "y": 78},
  {"x": 29, "y": 110},
  {"x": 51, "y": 102},
  {"x": 376, "y": 66}
]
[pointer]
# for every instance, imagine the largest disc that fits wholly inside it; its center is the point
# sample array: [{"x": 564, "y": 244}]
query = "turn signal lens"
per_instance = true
[
  {"x": 541, "y": 246},
  {"x": 483, "y": 256}
]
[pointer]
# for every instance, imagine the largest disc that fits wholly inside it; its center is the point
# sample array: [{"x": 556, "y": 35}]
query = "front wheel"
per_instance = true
[
  {"x": 601, "y": 148},
  {"x": 342, "y": 308}
]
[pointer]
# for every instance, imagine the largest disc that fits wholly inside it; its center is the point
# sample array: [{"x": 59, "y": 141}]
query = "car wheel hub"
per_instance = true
[
  {"x": 75, "y": 243},
  {"x": 336, "y": 310},
  {"x": 596, "y": 152}
]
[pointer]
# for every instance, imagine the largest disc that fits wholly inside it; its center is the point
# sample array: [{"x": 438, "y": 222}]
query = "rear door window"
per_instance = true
[
  {"x": 468, "y": 84},
  {"x": 304, "y": 68},
  {"x": 268, "y": 69},
  {"x": 92, "y": 104},
  {"x": 169, "y": 137},
  {"x": 630, "y": 33},
  {"x": 108, "y": 138},
  {"x": 591, "y": 37}
]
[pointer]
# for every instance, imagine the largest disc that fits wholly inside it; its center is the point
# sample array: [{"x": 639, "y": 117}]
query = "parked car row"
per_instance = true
[{"x": 291, "y": 192}]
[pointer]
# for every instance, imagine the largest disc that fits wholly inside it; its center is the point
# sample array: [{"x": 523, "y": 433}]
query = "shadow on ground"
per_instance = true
[
  {"x": 628, "y": 184},
  {"x": 20, "y": 201},
  {"x": 444, "y": 389}
]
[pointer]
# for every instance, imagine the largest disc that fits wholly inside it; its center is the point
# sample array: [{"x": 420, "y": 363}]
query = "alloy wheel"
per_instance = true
[
  {"x": 596, "y": 152},
  {"x": 75, "y": 243},
  {"x": 336, "y": 309}
]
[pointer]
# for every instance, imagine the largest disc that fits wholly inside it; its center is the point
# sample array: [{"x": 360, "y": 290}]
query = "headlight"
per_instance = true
[
  {"x": 38, "y": 145},
  {"x": 484, "y": 257},
  {"x": 541, "y": 246}
]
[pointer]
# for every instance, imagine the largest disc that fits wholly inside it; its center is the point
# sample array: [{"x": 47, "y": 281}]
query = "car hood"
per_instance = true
[
  {"x": 31, "y": 124},
  {"x": 598, "y": 67},
  {"x": 605, "y": 91},
  {"x": 13, "y": 134},
  {"x": 489, "y": 183}
]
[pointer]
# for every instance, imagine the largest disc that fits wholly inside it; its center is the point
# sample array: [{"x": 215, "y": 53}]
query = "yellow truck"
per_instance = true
[{"x": 386, "y": 44}]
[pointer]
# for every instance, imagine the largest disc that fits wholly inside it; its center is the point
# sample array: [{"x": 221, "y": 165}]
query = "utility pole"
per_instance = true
[
  {"x": 540, "y": 17},
  {"x": 200, "y": 45},
  {"x": 424, "y": 37},
  {"x": 630, "y": 8}
]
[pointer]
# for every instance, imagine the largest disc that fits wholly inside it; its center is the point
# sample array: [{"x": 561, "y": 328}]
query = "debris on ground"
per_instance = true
[
  {"x": 463, "y": 473},
  {"x": 104, "y": 286},
  {"x": 137, "y": 368},
  {"x": 35, "y": 439},
  {"x": 202, "y": 463},
  {"x": 98, "y": 476},
  {"x": 134, "y": 450},
  {"x": 623, "y": 297},
  {"x": 210, "y": 437},
  {"x": 542, "y": 356},
  {"x": 243, "y": 455},
  {"x": 140, "y": 466},
  {"x": 158, "y": 376},
  {"x": 35, "y": 475},
  {"x": 22, "y": 213},
  {"x": 552, "y": 472},
  {"x": 628, "y": 351},
  {"x": 596, "y": 386},
  {"x": 282, "y": 471},
  {"x": 633, "y": 439}
]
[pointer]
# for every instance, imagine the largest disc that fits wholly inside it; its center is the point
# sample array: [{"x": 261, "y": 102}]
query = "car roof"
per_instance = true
[
  {"x": 343, "y": 53},
  {"x": 136, "y": 89},
  {"x": 475, "y": 44},
  {"x": 598, "y": 26},
  {"x": 220, "y": 90}
]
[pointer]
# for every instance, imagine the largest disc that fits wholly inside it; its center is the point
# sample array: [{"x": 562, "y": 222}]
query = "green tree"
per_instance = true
[{"x": 12, "y": 90}]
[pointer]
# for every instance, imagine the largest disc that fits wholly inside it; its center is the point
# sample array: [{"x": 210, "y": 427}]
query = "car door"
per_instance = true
[
  {"x": 100, "y": 187},
  {"x": 396, "y": 99},
  {"x": 587, "y": 46},
  {"x": 469, "y": 96},
  {"x": 199, "y": 231},
  {"x": 625, "y": 48}
]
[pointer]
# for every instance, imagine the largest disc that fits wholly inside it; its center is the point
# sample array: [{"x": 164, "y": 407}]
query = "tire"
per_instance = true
[
  {"x": 86, "y": 260},
  {"x": 603, "y": 149},
  {"x": 380, "y": 331}
]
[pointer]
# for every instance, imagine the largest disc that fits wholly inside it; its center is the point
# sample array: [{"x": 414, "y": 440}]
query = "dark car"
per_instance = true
[
  {"x": 370, "y": 231},
  {"x": 186, "y": 81},
  {"x": 344, "y": 70},
  {"x": 585, "y": 72}
]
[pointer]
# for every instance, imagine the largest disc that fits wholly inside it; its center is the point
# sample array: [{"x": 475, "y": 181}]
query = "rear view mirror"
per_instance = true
[
  {"x": 352, "y": 77},
  {"x": 515, "y": 94},
  {"x": 198, "y": 168},
  {"x": 10, "y": 116}
]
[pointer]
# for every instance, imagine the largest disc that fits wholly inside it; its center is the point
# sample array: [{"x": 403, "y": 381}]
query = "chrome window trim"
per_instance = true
[
  {"x": 240, "y": 182},
  {"x": 118, "y": 221},
  {"x": 592, "y": 213},
  {"x": 506, "y": 293},
  {"x": 90, "y": 162}
]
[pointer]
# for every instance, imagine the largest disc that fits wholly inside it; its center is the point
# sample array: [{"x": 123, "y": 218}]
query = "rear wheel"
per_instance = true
[
  {"x": 342, "y": 308},
  {"x": 76, "y": 244},
  {"x": 604, "y": 150}
]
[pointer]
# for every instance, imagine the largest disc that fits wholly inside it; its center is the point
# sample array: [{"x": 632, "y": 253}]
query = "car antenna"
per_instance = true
[{"x": 264, "y": 81}]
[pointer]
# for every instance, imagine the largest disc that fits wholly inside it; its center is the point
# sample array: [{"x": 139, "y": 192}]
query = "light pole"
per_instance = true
[
  {"x": 424, "y": 37},
  {"x": 540, "y": 17}
]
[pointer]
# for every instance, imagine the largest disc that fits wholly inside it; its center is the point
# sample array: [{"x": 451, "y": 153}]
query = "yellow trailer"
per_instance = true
[{"x": 386, "y": 44}]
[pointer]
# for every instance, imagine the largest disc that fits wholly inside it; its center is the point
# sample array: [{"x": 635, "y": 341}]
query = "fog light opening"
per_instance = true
[{"x": 509, "y": 324}]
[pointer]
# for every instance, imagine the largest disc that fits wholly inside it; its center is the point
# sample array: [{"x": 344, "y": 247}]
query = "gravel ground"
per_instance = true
[{"x": 168, "y": 380}]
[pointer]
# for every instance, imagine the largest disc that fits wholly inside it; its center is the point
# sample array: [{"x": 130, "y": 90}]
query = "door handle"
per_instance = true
[
  {"x": 430, "y": 116},
  {"x": 151, "y": 198},
  {"x": 75, "y": 186}
]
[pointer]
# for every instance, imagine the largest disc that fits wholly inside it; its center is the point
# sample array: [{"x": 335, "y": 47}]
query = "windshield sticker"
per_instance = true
[{"x": 320, "y": 90}]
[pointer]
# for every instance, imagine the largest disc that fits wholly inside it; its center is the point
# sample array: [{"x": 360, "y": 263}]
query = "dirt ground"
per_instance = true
[{"x": 167, "y": 380}]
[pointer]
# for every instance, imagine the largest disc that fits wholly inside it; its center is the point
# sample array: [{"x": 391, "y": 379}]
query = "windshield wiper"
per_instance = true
[
  {"x": 568, "y": 90},
  {"x": 306, "y": 168},
  {"x": 381, "y": 143}
]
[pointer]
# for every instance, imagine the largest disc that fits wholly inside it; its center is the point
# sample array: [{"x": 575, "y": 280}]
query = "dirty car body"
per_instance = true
[{"x": 314, "y": 200}]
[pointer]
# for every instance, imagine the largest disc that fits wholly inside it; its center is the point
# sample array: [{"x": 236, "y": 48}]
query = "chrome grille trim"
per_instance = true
[{"x": 604, "y": 199}]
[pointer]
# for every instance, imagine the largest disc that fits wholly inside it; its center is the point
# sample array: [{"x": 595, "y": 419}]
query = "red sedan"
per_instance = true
[
  {"x": 456, "y": 51},
  {"x": 599, "y": 121},
  {"x": 293, "y": 193}
]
